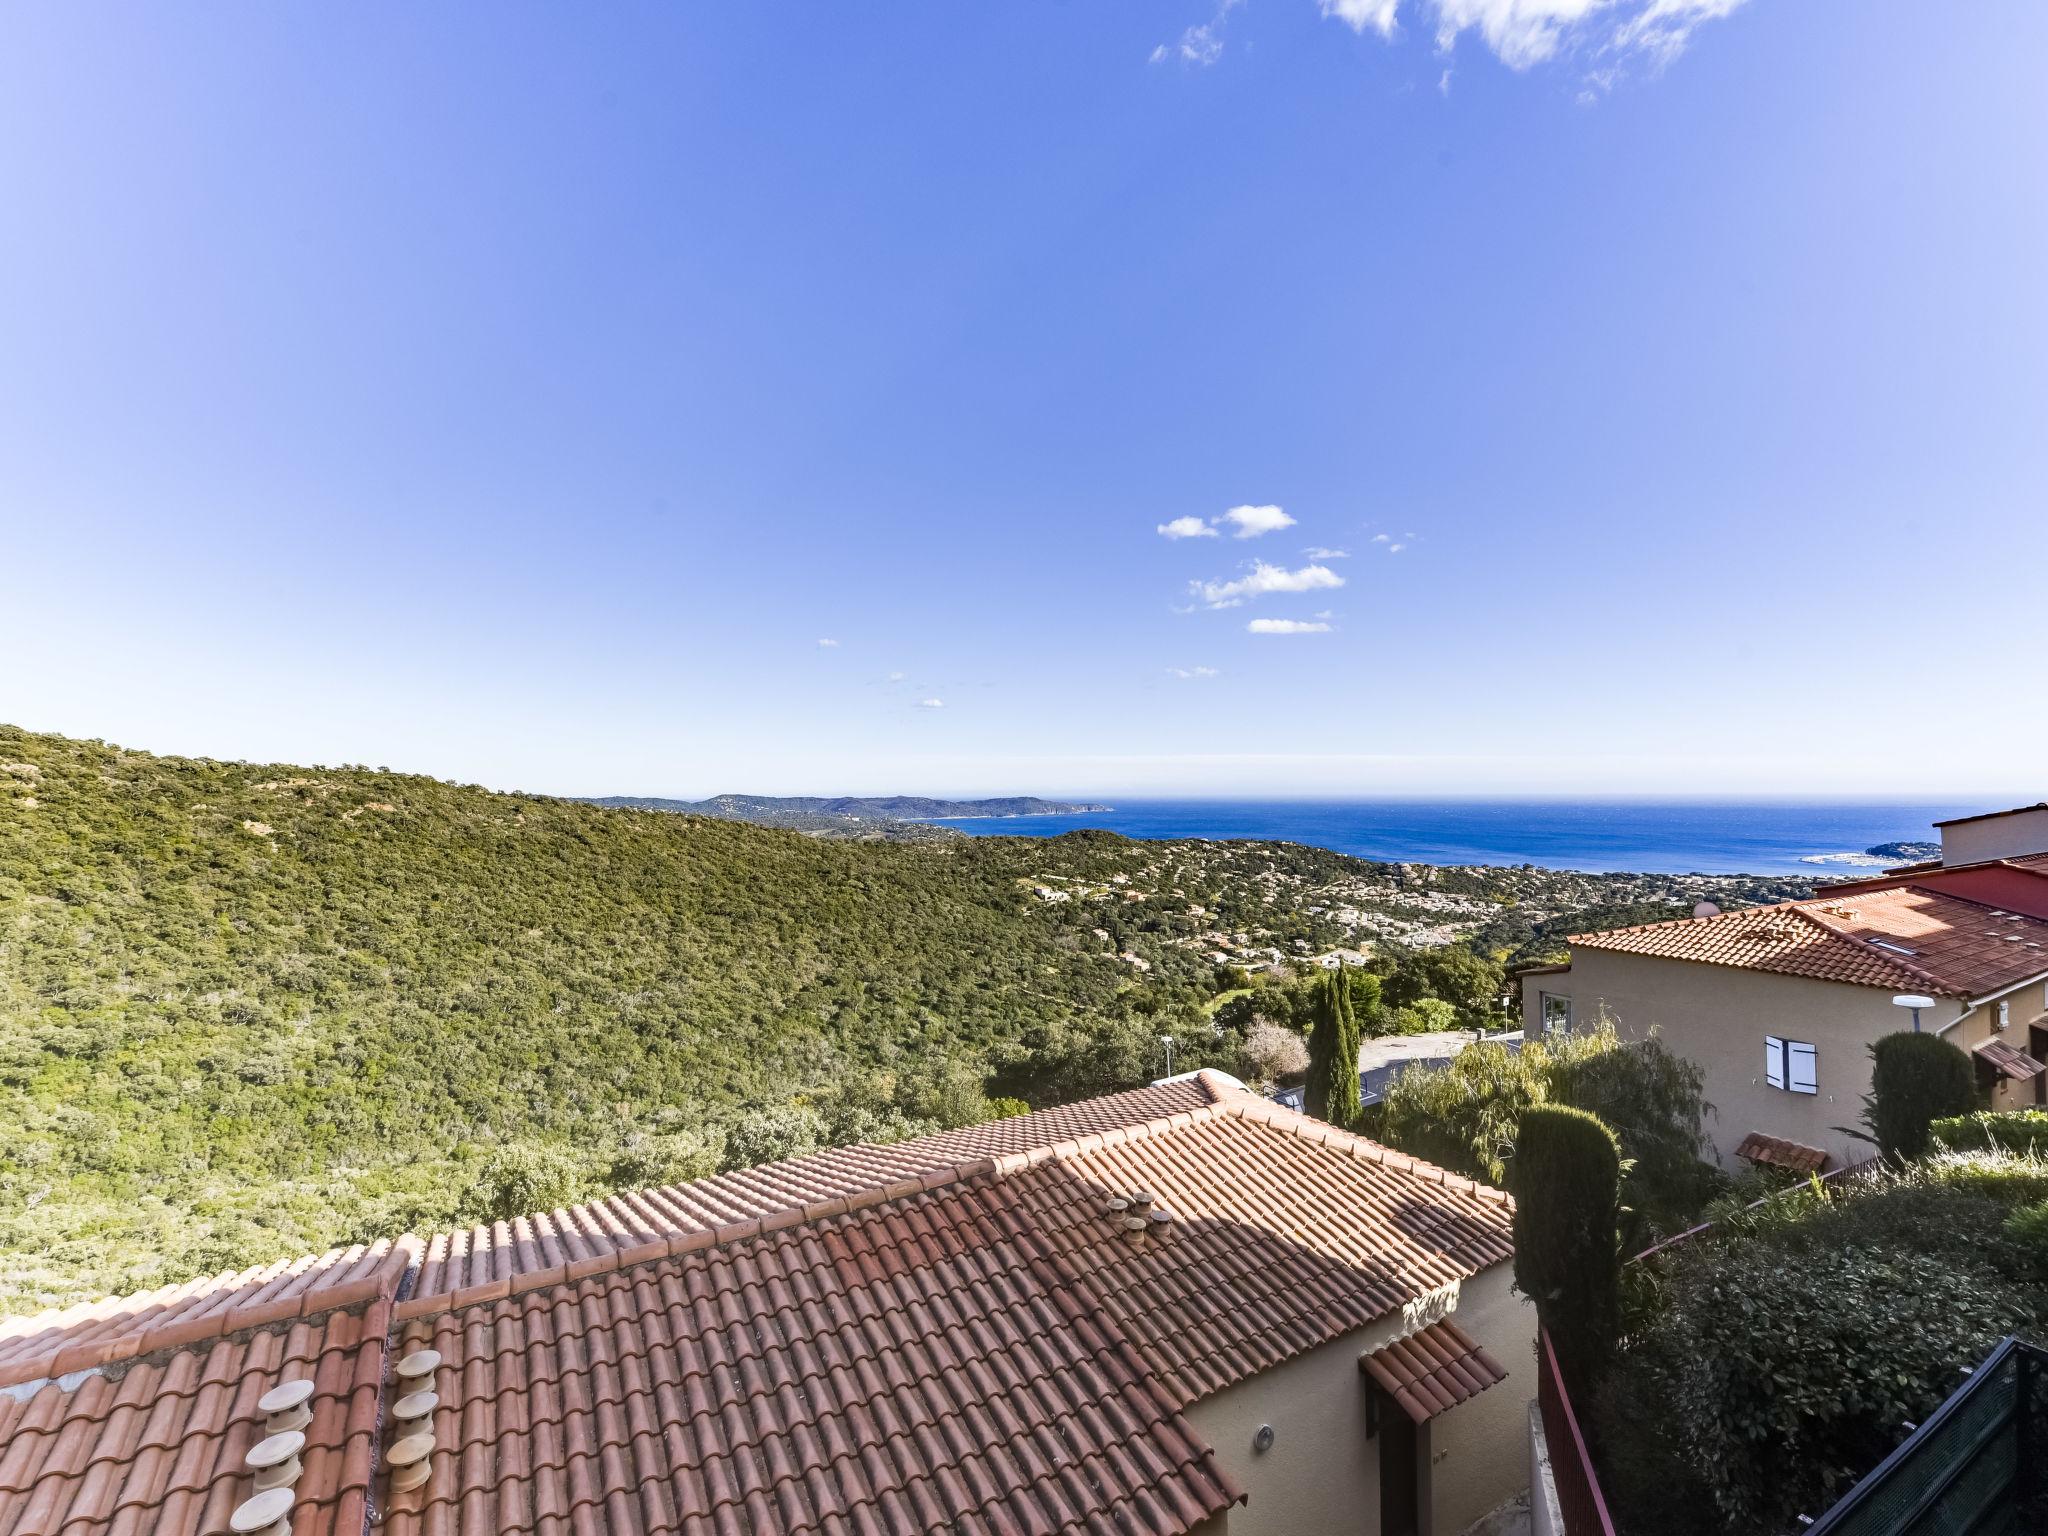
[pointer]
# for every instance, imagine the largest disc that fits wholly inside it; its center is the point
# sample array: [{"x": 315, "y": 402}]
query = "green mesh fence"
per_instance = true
[{"x": 1973, "y": 1469}]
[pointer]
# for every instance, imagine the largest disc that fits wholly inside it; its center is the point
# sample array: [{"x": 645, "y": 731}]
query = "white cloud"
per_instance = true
[
  {"x": 1443, "y": 84},
  {"x": 1525, "y": 33},
  {"x": 897, "y": 677},
  {"x": 1186, "y": 528},
  {"x": 1250, "y": 522},
  {"x": 1194, "y": 672},
  {"x": 1379, "y": 538},
  {"x": 1395, "y": 549},
  {"x": 1317, "y": 552},
  {"x": 1199, "y": 45},
  {"x": 1360, "y": 14},
  {"x": 1287, "y": 627},
  {"x": 826, "y": 645},
  {"x": 1265, "y": 579},
  {"x": 931, "y": 703}
]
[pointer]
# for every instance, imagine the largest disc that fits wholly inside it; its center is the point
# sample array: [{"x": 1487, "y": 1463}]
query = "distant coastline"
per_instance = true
[{"x": 1595, "y": 836}]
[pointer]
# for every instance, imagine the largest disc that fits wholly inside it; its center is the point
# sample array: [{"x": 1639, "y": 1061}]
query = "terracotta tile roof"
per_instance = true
[
  {"x": 1284, "y": 1234},
  {"x": 468, "y": 1265},
  {"x": 946, "y": 1335},
  {"x": 2002, "y": 1058},
  {"x": 102, "y": 1332},
  {"x": 1901, "y": 937},
  {"x": 158, "y": 1446},
  {"x": 918, "y": 1366},
  {"x": 1756, "y": 1147},
  {"x": 1433, "y": 1370}
]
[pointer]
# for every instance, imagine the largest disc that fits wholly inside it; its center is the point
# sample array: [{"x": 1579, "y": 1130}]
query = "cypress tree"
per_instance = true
[
  {"x": 1567, "y": 1185},
  {"x": 1322, "y": 1050},
  {"x": 1344, "y": 1106}
]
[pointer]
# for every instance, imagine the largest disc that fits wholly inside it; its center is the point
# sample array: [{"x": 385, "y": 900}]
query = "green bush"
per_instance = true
[
  {"x": 1785, "y": 1382},
  {"x": 1464, "y": 1116},
  {"x": 1426, "y": 1016},
  {"x": 523, "y": 1177},
  {"x": 1777, "y": 1355},
  {"x": 1915, "y": 1080},
  {"x": 1567, "y": 1178},
  {"x": 2017, "y": 1130}
]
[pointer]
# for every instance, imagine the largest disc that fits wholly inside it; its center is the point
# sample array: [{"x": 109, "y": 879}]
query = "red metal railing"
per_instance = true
[{"x": 1578, "y": 1491}]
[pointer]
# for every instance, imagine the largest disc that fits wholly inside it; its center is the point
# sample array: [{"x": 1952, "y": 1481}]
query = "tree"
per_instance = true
[
  {"x": 1344, "y": 1104},
  {"x": 1567, "y": 1178},
  {"x": 1915, "y": 1080},
  {"x": 1465, "y": 1116},
  {"x": 1331, "y": 1092}
]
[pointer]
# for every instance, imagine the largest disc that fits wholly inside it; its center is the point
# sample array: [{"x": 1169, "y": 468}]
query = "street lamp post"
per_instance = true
[{"x": 1167, "y": 1041}]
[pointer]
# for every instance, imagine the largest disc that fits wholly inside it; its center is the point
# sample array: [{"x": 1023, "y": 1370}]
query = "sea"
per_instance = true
[{"x": 1818, "y": 840}]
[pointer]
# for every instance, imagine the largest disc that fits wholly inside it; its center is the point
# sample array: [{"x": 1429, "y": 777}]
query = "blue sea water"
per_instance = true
[{"x": 1656, "y": 837}]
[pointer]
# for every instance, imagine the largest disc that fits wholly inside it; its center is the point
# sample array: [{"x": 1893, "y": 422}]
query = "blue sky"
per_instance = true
[{"x": 525, "y": 394}]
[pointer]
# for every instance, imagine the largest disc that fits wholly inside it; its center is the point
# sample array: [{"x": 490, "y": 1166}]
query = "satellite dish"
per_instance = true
[{"x": 1706, "y": 909}]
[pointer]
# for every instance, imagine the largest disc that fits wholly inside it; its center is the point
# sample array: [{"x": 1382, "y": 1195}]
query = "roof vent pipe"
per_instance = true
[
  {"x": 275, "y": 1460},
  {"x": 416, "y": 1370},
  {"x": 1141, "y": 1201},
  {"x": 412, "y": 1412},
  {"x": 410, "y": 1462},
  {"x": 285, "y": 1405},
  {"x": 268, "y": 1514}
]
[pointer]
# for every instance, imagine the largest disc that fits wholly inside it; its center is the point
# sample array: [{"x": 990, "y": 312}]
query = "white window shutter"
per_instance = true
[
  {"x": 1774, "y": 1061},
  {"x": 1799, "y": 1068}
]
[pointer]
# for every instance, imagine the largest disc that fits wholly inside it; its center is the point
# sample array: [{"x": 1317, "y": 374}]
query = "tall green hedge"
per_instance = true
[
  {"x": 1916, "y": 1079},
  {"x": 1566, "y": 1174}
]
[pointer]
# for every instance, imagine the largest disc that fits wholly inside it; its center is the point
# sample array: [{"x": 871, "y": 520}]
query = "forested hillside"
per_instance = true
[{"x": 249, "y": 1011}]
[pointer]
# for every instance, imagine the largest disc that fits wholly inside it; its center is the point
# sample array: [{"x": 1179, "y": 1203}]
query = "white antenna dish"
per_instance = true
[
  {"x": 1914, "y": 1001},
  {"x": 1706, "y": 909}
]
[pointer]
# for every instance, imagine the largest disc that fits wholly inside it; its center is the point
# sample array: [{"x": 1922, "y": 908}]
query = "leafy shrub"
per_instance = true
[
  {"x": 523, "y": 1177},
  {"x": 1426, "y": 1016},
  {"x": 1275, "y": 1052},
  {"x": 2017, "y": 1130},
  {"x": 1465, "y": 1115},
  {"x": 1787, "y": 1381},
  {"x": 769, "y": 1135},
  {"x": 1567, "y": 1177},
  {"x": 649, "y": 1159},
  {"x": 1915, "y": 1080}
]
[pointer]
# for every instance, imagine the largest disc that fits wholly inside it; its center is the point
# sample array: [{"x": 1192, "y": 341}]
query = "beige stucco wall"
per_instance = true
[
  {"x": 1718, "y": 1016},
  {"x": 1995, "y": 837},
  {"x": 1322, "y": 1473}
]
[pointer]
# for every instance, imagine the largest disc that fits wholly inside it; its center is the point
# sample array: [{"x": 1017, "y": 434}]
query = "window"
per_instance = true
[
  {"x": 1557, "y": 1014},
  {"x": 1789, "y": 1064},
  {"x": 2004, "y": 1015}
]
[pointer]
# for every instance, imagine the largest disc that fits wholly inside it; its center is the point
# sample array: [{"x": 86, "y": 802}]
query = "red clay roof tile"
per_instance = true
[
  {"x": 157, "y": 1443},
  {"x": 1433, "y": 1370},
  {"x": 944, "y": 1334},
  {"x": 1901, "y": 937},
  {"x": 1777, "y": 1152}
]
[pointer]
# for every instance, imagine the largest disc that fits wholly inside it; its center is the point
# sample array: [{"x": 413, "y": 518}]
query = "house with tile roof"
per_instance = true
[
  {"x": 1181, "y": 1309},
  {"x": 1780, "y": 1004}
]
